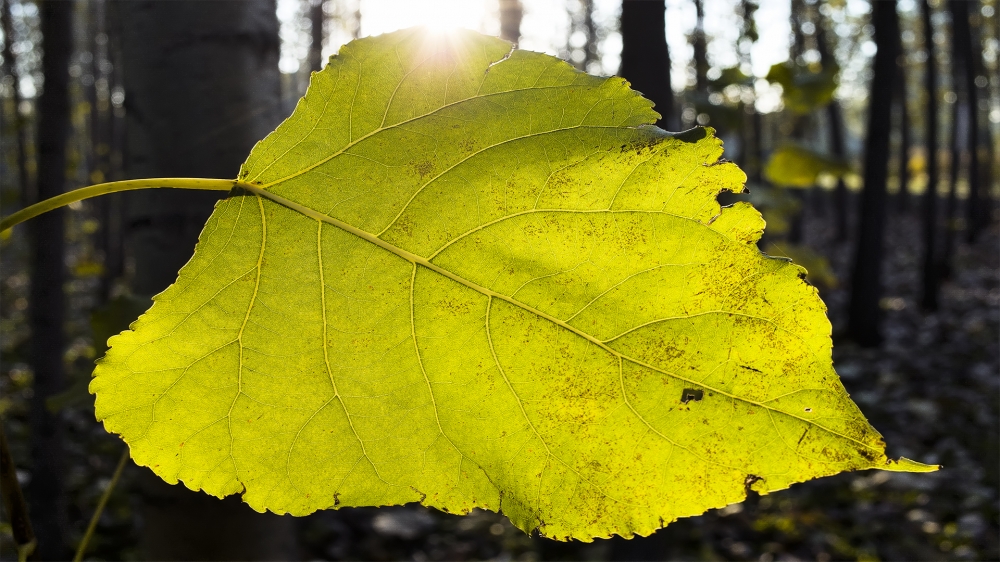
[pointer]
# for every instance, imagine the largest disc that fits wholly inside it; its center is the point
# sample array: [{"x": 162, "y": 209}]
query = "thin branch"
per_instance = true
[
  {"x": 13, "y": 501},
  {"x": 82, "y": 549}
]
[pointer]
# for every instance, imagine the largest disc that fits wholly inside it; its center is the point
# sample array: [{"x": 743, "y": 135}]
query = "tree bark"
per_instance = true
[
  {"x": 962, "y": 35},
  {"x": 930, "y": 277},
  {"x": 964, "y": 137},
  {"x": 835, "y": 123},
  {"x": 866, "y": 279},
  {"x": 202, "y": 87},
  {"x": 958, "y": 127},
  {"x": 46, "y": 494},
  {"x": 17, "y": 120},
  {"x": 511, "y": 13},
  {"x": 645, "y": 56},
  {"x": 316, "y": 20},
  {"x": 699, "y": 44},
  {"x": 107, "y": 208},
  {"x": 903, "y": 198}
]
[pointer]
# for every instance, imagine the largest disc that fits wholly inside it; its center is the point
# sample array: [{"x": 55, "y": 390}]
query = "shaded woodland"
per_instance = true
[{"x": 872, "y": 150}]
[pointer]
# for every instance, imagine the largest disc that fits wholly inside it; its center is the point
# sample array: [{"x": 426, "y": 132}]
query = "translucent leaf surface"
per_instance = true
[{"x": 470, "y": 277}]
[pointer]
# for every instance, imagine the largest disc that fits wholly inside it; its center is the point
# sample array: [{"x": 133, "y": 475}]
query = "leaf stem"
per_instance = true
[
  {"x": 82, "y": 548},
  {"x": 112, "y": 187}
]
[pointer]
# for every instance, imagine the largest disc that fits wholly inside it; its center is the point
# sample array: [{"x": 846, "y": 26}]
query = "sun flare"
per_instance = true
[{"x": 440, "y": 16}]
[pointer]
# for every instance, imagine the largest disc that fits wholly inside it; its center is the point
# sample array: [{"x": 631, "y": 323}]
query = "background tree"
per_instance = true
[
  {"x": 866, "y": 276},
  {"x": 835, "y": 129},
  {"x": 15, "y": 119},
  {"x": 645, "y": 56},
  {"x": 965, "y": 56},
  {"x": 511, "y": 13},
  {"x": 317, "y": 19},
  {"x": 902, "y": 93},
  {"x": 929, "y": 263},
  {"x": 201, "y": 88},
  {"x": 47, "y": 301}
]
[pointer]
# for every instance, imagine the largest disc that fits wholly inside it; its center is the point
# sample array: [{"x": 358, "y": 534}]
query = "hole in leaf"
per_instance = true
[
  {"x": 690, "y": 394},
  {"x": 808, "y": 410}
]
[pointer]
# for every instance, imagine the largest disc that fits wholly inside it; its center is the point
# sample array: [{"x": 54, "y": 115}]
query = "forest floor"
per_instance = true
[{"x": 932, "y": 389}]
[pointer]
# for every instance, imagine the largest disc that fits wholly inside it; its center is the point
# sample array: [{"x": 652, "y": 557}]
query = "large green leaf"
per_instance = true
[{"x": 475, "y": 277}]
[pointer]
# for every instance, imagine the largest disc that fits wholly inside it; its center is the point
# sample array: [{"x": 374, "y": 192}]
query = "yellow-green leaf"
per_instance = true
[
  {"x": 473, "y": 277},
  {"x": 797, "y": 166},
  {"x": 805, "y": 88}
]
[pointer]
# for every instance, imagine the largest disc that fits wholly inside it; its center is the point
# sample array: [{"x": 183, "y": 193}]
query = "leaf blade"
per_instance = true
[{"x": 543, "y": 316}]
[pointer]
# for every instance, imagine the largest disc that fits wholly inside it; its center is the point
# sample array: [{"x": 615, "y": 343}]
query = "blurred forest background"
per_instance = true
[{"x": 870, "y": 133}]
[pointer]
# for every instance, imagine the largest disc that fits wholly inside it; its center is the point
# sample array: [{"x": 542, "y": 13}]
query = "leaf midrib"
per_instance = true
[{"x": 417, "y": 260}]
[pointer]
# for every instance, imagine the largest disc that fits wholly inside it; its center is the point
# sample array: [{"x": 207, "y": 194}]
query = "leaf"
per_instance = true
[
  {"x": 804, "y": 89},
  {"x": 820, "y": 273},
  {"x": 475, "y": 277},
  {"x": 731, "y": 76},
  {"x": 797, "y": 166}
]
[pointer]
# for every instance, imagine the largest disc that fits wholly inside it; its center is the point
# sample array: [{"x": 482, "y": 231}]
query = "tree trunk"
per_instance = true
[
  {"x": 316, "y": 19},
  {"x": 836, "y": 127},
  {"x": 866, "y": 278},
  {"x": 958, "y": 127},
  {"x": 202, "y": 87},
  {"x": 931, "y": 279},
  {"x": 903, "y": 199},
  {"x": 107, "y": 208},
  {"x": 645, "y": 56},
  {"x": 591, "y": 28},
  {"x": 699, "y": 44},
  {"x": 17, "y": 121},
  {"x": 511, "y": 12},
  {"x": 964, "y": 136},
  {"x": 962, "y": 35},
  {"x": 47, "y": 300}
]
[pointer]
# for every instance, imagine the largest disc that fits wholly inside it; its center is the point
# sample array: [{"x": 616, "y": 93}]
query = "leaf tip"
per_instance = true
[{"x": 906, "y": 465}]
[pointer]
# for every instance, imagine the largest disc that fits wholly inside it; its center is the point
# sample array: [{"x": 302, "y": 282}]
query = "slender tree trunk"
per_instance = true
[
  {"x": 46, "y": 495},
  {"x": 699, "y": 44},
  {"x": 866, "y": 277},
  {"x": 988, "y": 165},
  {"x": 114, "y": 204},
  {"x": 591, "y": 28},
  {"x": 798, "y": 46},
  {"x": 963, "y": 140},
  {"x": 903, "y": 199},
  {"x": 958, "y": 126},
  {"x": 962, "y": 35},
  {"x": 202, "y": 88},
  {"x": 511, "y": 13},
  {"x": 758, "y": 146},
  {"x": 107, "y": 208},
  {"x": 835, "y": 123},
  {"x": 931, "y": 278},
  {"x": 17, "y": 120},
  {"x": 751, "y": 151},
  {"x": 316, "y": 20},
  {"x": 645, "y": 56}
]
